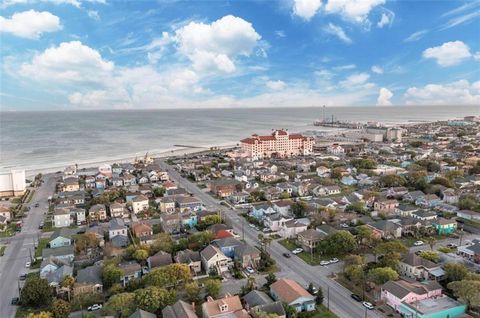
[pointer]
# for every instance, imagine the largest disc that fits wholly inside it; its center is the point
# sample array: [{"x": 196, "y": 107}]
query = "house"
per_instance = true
[
  {"x": 191, "y": 258},
  {"x": 348, "y": 180},
  {"x": 227, "y": 245},
  {"x": 418, "y": 268},
  {"x": 275, "y": 221},
  {"x": 335, "y": 149},
  {"x": 283, "y": 207},
  {"x": 246, "y": 255},
  {"x": 386, "y": 206},
  {"x": 116, "y": 227},
  {"x": 261, "y": 210},
  {"x": 54, "y": 270},
  {"x": 171, "y": 223},
  {"x": 469, "y": 215},
  {"x": 5, "y": 212},
  {"x": 63, "y": 252},
  {"x": 97, "y": 212},
  {"x": 309, "y": 239},
  {"x": 61, "y": 218},
  {"x": 444, "y": 226},
  {"x": 450, "y": 197},
  {"x": 88, "y": 280},
  {"x": 159, "y": 259},
  {"x": 167, "y": 205},
  {"x": 396, "y": 292},
  {"x": 70, "y": 184},
  {"x": 413, "y": 196},
  {"x": 257, "y": 301},
  {"x": 99, "y": 234},
  {"x": 140, "y": 313},
  {"x": 139, "y": 204},
  {"x": 424, "y": 215},
  {"x": 323, "y": 172},
  {"x": 327, "y": 190},
  {"x": 291, "y": 293},
  {"x": 239, "y": 197},
  {"x": 228, "y": 306},
  {"x": 143, "y": 232},
  {"x": 213, "y": 259},
  {"x": 224, "y": 187},
  {"x": 433, "y": 307},
  {"x": 131, "y": 270},
  {"x": 405, "y": 209},
  {"x": 397, "y": 192},
  {"x": 180, "y": 309},
  {"x": 428, "y": 201},
  {"x": 386, "y": 229},
  {"x": 185, "y": 203},
  {"x": 471, "y": 251},
  {"x": 60, "y": 237},
  {"x": 78, "y": 215},
  {"x": 291, "y": 228},
  {"x": 118, "y": 210}
]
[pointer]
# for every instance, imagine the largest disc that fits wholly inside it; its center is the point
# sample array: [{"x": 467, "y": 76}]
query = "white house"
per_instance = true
[
  {"x": 139, "y": 204},
  {"x": 213, "y": 258},
  {"x": 335, "y": 149},
  {"x": 61, "y": 218}
]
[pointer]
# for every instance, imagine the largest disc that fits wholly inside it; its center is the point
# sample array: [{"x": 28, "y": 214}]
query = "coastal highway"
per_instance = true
[
  {"x": 19, "y": 247},
  {"x": 336, "y": 296}
]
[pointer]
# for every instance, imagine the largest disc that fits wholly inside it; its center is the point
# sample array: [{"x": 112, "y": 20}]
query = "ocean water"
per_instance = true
[{"x": 38, "y": 140}]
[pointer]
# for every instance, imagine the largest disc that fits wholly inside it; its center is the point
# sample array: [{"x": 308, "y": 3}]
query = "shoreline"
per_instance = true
[{"x": 185, "y": 150}]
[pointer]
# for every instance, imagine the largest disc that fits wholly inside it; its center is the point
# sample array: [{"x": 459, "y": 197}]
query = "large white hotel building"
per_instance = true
[{"x": 280, "y": 144}]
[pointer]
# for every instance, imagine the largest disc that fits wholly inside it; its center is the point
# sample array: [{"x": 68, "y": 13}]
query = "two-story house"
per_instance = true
[{"x": 290, "y": 292}]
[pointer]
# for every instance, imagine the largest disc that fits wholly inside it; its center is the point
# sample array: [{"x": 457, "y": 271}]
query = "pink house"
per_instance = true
[{"x": 396, "y": 292}]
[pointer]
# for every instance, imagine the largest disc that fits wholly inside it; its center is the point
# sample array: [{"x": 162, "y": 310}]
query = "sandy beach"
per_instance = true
[{"x": 186, "y": 150}]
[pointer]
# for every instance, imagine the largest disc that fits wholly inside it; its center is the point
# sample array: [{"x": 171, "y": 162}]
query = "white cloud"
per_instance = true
[
  {"x": 338, "y": 32},
  {"x": 377, "y": 69},
  {"x": 93, "y": 14},
  {"x": 75, "y": 3},
  {"x": 355, "y": 80},
  {"x": 306, "y": 9},
  {"x": 30, "y": 24},
  {"x": 386, "y": 18},
  {"x": 69, "y": 62},
  {"x": 276, "y": 85},
  {"x": 345, "y": 67},
  {"x": 455, "y": 93},
  {"x": 449, "y": 53},
  {"x": 354, "y": 10},
  {"x": 416, "y": 36},
  {"x": 280, "y": 34},
  {"x": 466, "y": 18},
  {"x": 476, "y": 56},
  {"x": 384, "y": 96},
  {"x": 215, "y": 46}
]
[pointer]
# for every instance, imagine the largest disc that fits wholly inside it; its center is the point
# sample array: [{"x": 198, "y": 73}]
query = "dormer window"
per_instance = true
[{"x": 223, "y": 307}]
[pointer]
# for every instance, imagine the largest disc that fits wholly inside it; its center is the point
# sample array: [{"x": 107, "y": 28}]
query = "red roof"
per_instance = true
[{"x": 223, "y": 234}]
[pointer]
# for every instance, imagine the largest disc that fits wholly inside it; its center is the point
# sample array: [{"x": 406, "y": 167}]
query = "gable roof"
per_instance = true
[
  {"x": 180, "y": 309},
  {"x": 289, "y": 290},
  {"x": 257, "y": 297},
  {"x": 91, "y": 274}
]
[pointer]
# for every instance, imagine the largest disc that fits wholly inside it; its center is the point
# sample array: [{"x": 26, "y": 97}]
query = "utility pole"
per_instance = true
[
  {"x": 365, "y": 312},
  {"x": 30, "y": 251},
  {"x": 243, "y": 230},
  {"x": 328, "y": 297}
]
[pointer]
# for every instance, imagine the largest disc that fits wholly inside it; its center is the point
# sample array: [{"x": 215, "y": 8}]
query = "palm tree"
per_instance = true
[{"x": 431, "y": 241}]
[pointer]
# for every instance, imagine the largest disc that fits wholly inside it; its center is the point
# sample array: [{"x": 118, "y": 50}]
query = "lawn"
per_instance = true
[
  {"x": 47, "y": 226},
  {"x": 2, "y": 249},
  {"x": 7, "y": 233},
  {"x": 323, "y": 312},
  {"x": 42, "y": 243},
  {"x": 311, "y": 259}
]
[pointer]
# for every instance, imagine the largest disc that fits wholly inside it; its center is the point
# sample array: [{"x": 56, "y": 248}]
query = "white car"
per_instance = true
[
  {"x": 367, "y": 304},
  {"x": 418, "y": 243},
  {"x": 251, "y": 225},
  {"x": 344, "y": 225},
  {"x": 298, "y": 250},
  {"x": 325, "y": 263},
  {"x": 95, "y": 307},
  {"x": 334, "y": 260},
  {"x": 28, "y": 264},
  {"x": 250, "y": 270}
]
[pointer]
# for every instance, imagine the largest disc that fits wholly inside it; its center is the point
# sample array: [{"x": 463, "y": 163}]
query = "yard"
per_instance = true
[
  {"x": 2, "y": 249},
  {"x": 323, "y": 312},
  {"x": 42, "y": 243},
  {"x": 310, "y": 258}
]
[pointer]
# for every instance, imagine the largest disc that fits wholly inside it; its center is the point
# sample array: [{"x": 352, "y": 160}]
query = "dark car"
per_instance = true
[
  {"x": 287, "y": 255},
  {"x": 23, "y": 277},
  {"x": 37, "y": 205},
  {"x": 15, "y": 300},
  {"x": 356, "y": 297}
]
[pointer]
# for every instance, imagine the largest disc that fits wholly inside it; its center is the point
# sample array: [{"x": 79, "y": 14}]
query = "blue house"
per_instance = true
[
  {"x": 290, "y": 292},
  {"x": 433, "y": 308},
  {"x": 189, "y": 219},
  {"x": 348, "y": 180},
  {"x": 227, "y": 245},
  {"x": 60, "y": 238},
  {"x": 260, "y": 211},
  {"x": 428, "y": 201}
]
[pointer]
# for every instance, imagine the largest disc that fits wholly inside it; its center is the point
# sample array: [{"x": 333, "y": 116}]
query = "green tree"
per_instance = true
[
  {"x": 173, "y": 275},
  {"x": 67, "y": 281},
  {"x": 319, "y": 296},
  {"x": 213, "y": 287},
  {"x": 358, "y": 207},
  {"x": 431, "y": 166},
  {"x": 42, "y": 314},
  {"x": 154, "y": 299},
  {"x": 390, "y": 252},
  {"x": 364, "y": 163},
  {"x": 443, "y": 181},
  {"x": 86, "y": 241},
  {"x": 159, "y": 191},
  {"x": 381, "y": 275},
  {"x": 299, "y": 208},
  {"x": 36, "y": 293},
  {"x": 193, "y": 291},
  {"x": 163, "y": 242},
  {"x": 290, "y": 311},
  {"x": 121, "y": 305},
  {"x": 111, "y": 274},
  {"x": 284, "y": 195},
  {"x": 455, "y": 271},
  {"x": 355, "y": 273},
  {"x": 340, "y": 242},
  {"x": 270, "y": 278},
  {"x": 430, "y": 255},
  {"x": 140, "y": 255},
  {"x": 392, "y": 180},
  {"x": 60, "y": 308},
  {"x": 249, "y": 285},
  {"x": 467, "y": 291}
]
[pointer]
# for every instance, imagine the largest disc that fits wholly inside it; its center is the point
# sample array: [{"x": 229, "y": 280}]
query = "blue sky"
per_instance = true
[{"x": 109, "y": 54}]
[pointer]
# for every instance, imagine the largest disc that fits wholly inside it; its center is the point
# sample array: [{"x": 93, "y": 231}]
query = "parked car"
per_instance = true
[
  {"x": 451, "y": 245},
  {"x": 418, "y": 243},
  {"x": 23, "y": 277},
  {"x": 356, "y": 297},
  {"x": 251, "y": 225},
  {"x": 95, "y": 307},
  {"x": 334, "y": 260},
  {"x": 367, "y": 305},
  {"x": 344, "y": 225},
  {"x": 325, "y": 263},
  {"x": 314, "y": 290},
  {"x": 298, "y": 250},
  {"x": 28, "y": 264},
  {"x": 250, "y": 270},
  {"x": 287, "y": 255},
  {"x": 15, "y": 301}
]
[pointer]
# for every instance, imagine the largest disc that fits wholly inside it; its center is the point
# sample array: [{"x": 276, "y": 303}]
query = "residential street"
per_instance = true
[
  {"x": 340, "y": 301},
  {"x": 12, "y": 264}
]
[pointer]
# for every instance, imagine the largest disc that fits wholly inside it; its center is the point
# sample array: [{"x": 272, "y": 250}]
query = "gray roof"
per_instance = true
[
  {"x": 227, "y": 242},
  {"x": 116, "y": 224},
  {"x": 187, "y": 256},
  {"x": 245, "y": 249},
  {"x": 59, "y": 251},
  {"x": 257, "y": 297},
  {"x": 209, "y": 252},
  {"x": 161, "y": 258},
  {"x": 180, "y": 309},
  {"x": 91, "y": 274},
  {"x": 57, "y": 275},
  {"x": 139, "y": 313},
  {"x": 402, "y": 288},
  {"x": 272, "y": 308},
  {"x": 119, "y": 240}
]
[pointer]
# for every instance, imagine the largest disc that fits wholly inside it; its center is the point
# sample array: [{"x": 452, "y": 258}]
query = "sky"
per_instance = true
[{"x": 112, "y": 54}]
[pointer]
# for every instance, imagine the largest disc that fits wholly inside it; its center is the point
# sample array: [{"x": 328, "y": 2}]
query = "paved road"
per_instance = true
[
  {"x": 12, "y": 264},
  {"x": 339, "y": 302}
]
